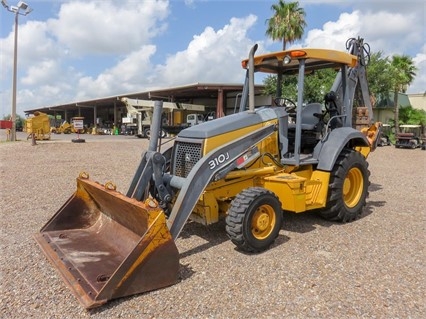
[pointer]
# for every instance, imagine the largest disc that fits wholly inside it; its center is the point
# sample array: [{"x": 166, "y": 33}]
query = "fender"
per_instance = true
[{"x": 330, "y": 147}]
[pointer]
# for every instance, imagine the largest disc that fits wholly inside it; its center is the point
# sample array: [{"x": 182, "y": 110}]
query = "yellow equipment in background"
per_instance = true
[
  {"x": 66, "y": 128},
  {"x": 293, "y": 155},
  {"x": 39, "y": 125}
]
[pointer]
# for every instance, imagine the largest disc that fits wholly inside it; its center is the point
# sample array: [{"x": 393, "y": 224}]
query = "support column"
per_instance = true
[
  {"x": 219, "y": 105},
  {"x": 115, "y": 114},
  {"x": 95, "y": 115}
]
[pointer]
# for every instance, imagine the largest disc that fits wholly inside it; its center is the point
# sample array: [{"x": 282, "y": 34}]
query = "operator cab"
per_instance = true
[{"x": 308, "y": 118}]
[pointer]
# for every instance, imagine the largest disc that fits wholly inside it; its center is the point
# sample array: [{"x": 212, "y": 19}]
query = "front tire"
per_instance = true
[
  {"x": 348, "y": 187},
  {"x": 254, "y": 219}
]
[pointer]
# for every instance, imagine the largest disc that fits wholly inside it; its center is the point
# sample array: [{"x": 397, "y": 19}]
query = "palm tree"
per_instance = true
[
  {"x": 287, "y": 23},
  {"x": 404, "y": 72}
]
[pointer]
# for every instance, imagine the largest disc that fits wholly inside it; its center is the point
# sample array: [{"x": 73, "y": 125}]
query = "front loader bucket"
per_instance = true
[{"x": 106, "y": 245}]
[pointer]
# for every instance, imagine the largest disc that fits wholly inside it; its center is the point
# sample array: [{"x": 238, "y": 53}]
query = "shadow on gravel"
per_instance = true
[
  {"x": 213, "y": 235},
  {"x": 185, "y": 272},
  {"x": 369, "y": 208},
  {"x": 309, "y": 221},
  {"x": 375, "y": 187},
  {"x": 304, "y": 222},
  {"x": 280, "y": 240}
]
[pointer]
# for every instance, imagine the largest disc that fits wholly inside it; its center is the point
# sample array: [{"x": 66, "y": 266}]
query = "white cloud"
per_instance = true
[
  {"x": 33, "y": 45},
  {"x": 334, "y": 35},
  {"x": 396, "y": 36},
  {"x": 419, "y": 83},
  {"x": 212, "y": 56},
  {"x": 129, "y": 75},
  {"x": 189, "y": 3},
  {"x": 52, "y": 54},
  {"x": 401, "y": 32},
  {"x": 41, "y": 73},
  {"x": 105, "y": 27}
]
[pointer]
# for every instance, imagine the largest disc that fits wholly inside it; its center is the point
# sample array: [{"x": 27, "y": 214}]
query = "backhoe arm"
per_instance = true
[{"x": 344, "y": 87}]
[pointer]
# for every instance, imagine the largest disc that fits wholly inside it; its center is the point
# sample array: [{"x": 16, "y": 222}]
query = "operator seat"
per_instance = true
[
  {"x": 311, "y": 127},
  {"x": 310, "y": 117}
]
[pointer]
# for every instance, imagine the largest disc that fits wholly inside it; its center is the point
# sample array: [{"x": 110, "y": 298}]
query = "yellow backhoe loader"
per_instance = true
[
  {"x": 67, "y": 128},
  {"x": 246, "y": 168}
]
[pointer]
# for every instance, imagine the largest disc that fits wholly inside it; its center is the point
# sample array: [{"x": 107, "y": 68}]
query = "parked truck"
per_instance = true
[{"x": 175, "y": 116}]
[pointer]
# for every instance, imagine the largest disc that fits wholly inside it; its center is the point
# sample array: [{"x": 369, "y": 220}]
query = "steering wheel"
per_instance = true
[{"x": 289, "y": 105}]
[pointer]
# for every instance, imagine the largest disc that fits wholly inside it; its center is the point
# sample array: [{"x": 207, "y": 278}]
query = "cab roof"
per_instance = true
[{"x": 314, "y": 59}]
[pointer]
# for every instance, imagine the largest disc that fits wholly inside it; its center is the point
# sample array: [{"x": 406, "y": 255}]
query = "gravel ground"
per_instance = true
[{"x": 371, "y": 268}]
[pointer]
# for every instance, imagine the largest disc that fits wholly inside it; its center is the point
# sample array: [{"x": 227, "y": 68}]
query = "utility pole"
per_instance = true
[{"x": 17, "y": 11}]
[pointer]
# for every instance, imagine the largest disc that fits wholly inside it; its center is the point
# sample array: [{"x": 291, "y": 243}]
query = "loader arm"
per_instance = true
[
  {"x": 202, "y": 173},
  {"x": 191, "y": 187}
]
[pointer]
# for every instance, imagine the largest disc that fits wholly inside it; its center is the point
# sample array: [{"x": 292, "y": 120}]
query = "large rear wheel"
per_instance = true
[
  {"x": 254, "y": 219},
  {"x": 348, "y": 188}
]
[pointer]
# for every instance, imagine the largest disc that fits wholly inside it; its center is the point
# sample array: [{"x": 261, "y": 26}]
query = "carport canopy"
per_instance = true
[{"x": 215, "y": 93}]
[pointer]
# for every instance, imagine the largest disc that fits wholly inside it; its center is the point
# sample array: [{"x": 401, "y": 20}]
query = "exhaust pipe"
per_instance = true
[{"x": 251, "y": 78}]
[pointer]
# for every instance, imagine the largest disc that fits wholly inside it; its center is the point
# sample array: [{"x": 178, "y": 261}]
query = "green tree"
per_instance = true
[
  {"x": 315, "y": 86},
  {"x": 287, "y": 23},
  {"x": 19, "y": 121},
  {"x": 380, "y": 83},
  {"x": 288, "y": 86},
  {"x": 409, "y": 115},
  {"x": 403, "y": 72}
]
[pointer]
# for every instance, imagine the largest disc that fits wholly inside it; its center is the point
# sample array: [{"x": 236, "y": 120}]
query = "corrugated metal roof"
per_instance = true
[{"x": 177, "y": 94}]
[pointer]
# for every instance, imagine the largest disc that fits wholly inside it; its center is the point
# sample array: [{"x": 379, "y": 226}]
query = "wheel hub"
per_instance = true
[
  {"x": 263, "y": 222},
  {"x": 353, "y": 187}
]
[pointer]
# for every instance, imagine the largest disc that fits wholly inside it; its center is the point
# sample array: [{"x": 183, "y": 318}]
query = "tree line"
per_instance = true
[{"x": 386, "y": 75}]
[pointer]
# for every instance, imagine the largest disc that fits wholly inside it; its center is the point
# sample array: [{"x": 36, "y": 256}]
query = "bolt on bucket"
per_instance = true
[{"x": 106, "y": 245}]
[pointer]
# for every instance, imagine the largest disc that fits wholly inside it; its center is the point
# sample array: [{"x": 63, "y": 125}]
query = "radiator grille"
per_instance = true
[{"x": 186, "y": 156}]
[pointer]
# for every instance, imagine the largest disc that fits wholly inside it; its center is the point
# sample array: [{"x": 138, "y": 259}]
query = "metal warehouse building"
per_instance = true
[{"x": 222, "y": 99}]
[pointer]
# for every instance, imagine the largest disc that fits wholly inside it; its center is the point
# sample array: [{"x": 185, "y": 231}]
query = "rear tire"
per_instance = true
[
  {"x": 348, "y": 187},
  {"x": 254, "y": 219}
]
